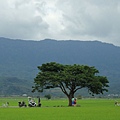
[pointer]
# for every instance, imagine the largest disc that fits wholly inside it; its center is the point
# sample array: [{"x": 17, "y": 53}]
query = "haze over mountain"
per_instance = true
[{"x": 19, "y": 60}]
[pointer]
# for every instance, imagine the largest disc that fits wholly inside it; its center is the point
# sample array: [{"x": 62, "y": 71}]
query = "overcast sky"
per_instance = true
[{"x": 61, "y": 20}]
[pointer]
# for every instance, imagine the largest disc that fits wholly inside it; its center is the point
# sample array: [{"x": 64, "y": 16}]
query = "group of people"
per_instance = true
[
  {"x": 74, "y": 101},
  {"x": 31, "y": 103}
]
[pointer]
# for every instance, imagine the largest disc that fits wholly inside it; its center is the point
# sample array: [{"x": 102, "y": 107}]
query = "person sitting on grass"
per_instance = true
[{"x": 75, "y": 102}]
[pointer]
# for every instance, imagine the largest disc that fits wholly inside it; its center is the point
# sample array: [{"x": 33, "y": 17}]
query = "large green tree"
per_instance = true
[{"x": 70, "y": 78}]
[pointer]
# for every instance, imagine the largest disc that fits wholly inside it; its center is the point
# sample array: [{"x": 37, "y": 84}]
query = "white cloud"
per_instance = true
[{"x": 61, "y": 19}]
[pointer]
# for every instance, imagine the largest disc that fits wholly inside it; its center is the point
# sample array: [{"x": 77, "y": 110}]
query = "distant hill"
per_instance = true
[{"x": 19, "y": 60}]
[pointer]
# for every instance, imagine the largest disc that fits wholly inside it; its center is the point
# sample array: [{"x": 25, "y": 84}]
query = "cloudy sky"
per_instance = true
[{"x": 61, "y": 20}]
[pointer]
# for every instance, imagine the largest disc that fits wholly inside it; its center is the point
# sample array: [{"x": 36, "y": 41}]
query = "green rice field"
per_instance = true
[{"x": 57, "y": 109}]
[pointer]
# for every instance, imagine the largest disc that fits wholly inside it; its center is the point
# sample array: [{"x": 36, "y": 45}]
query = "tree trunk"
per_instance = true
[
  {"x": 70, "y": 99},
  {"x": 70, "y": 102}
]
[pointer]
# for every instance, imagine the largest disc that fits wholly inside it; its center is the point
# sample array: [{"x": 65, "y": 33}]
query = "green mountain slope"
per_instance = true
[{"x": 19, "y": 59}]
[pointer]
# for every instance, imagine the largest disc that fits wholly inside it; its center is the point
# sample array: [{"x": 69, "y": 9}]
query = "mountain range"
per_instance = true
[{"x": 19, "y": 60}]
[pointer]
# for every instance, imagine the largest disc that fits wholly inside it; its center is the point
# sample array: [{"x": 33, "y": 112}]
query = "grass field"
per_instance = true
[{"x": 91, "y": 109}]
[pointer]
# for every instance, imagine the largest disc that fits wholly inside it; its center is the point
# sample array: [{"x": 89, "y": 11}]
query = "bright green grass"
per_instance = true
[{"x": 91, "y": 109}]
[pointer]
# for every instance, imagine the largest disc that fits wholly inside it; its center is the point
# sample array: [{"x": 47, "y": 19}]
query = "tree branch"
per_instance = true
[
  {"x": 62, "y": 87},
  {"x": 77, "y": 89}
]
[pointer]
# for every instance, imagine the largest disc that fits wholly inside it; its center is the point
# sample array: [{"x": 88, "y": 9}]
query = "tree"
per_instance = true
[
  {"x": 48, "y": 96},
  {"x": 69, "y": 78}
]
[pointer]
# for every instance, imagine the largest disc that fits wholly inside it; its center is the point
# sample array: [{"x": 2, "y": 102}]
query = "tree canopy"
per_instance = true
[{"x": 70, "y": 78}]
